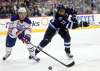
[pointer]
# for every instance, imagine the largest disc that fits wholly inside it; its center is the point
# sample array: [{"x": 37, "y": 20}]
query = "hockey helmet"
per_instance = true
[
  {"x": 61, "y": 6},
  {"x": 22, "y": 13},
  {"x": 22, "y": 9}
]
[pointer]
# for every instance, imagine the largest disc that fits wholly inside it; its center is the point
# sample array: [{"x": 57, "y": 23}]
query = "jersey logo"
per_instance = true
[{"x": 63, "y": 22}]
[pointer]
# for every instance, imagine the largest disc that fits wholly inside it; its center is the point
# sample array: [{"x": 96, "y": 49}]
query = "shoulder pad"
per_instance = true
[{"x": 14, "y": 18}]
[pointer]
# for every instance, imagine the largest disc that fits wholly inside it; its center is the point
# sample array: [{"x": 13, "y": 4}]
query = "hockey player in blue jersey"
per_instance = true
[
  {"x": 20, "y": 27},
  {"x": 60, "y": 24}
]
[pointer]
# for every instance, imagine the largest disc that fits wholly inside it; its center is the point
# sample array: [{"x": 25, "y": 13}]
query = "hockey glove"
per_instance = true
[
  {"x": 75, "y": 22},
  {"x": 84, "y": 24},
  {"x": 26, "y": 39}
]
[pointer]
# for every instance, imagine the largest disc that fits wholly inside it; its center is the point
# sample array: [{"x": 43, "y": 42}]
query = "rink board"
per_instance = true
[
  {"x": 40, "y": 24},
  {"x": 2, "y": 33}
]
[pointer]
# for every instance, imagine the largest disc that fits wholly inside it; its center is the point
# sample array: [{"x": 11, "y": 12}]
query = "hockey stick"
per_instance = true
[{"x": 69, "y": 65}]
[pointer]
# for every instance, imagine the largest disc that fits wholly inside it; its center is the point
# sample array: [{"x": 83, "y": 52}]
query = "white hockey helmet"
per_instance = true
[{"x": 22, "y": 9}]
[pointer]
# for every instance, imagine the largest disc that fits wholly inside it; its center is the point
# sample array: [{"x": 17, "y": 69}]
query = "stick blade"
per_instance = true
[{"x": 71, "y": 64}]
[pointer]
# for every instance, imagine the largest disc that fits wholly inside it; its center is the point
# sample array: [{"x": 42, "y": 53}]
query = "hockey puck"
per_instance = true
[
  {"x": 50, "y": 67},
  {"x": 3, "y": 58}
]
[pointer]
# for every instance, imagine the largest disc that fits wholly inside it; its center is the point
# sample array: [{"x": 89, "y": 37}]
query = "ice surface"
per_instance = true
[{"x": 85, "y": 48}]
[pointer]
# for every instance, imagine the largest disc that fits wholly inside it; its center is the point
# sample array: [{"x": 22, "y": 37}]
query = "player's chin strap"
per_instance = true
[{"x": 66, "y": 65}]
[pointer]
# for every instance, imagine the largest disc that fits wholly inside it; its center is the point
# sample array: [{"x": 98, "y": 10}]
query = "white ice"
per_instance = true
[{"x": 85, "y": 48}]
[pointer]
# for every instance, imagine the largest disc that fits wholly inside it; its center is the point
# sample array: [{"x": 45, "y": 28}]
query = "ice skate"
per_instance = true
[
  {"x": 34, "y": 58},
  {"x": 68, "y": 53},
  {"x": 6, "y": 56}
]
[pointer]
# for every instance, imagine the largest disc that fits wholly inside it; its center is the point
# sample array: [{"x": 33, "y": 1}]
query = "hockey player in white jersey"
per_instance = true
[{"x": 20, "y": 27}]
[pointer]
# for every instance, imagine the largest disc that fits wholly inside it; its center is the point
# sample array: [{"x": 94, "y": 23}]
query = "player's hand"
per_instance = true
[
  {"x": 84, "y": 24},
  {"x": 26, "y": 38},
  {"x": 18, "y": 33}
]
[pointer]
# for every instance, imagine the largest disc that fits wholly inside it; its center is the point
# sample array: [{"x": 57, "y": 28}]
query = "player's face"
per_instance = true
[
  {"x": 61, "y": 12},
  {"x": 22, "y": 15}
]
